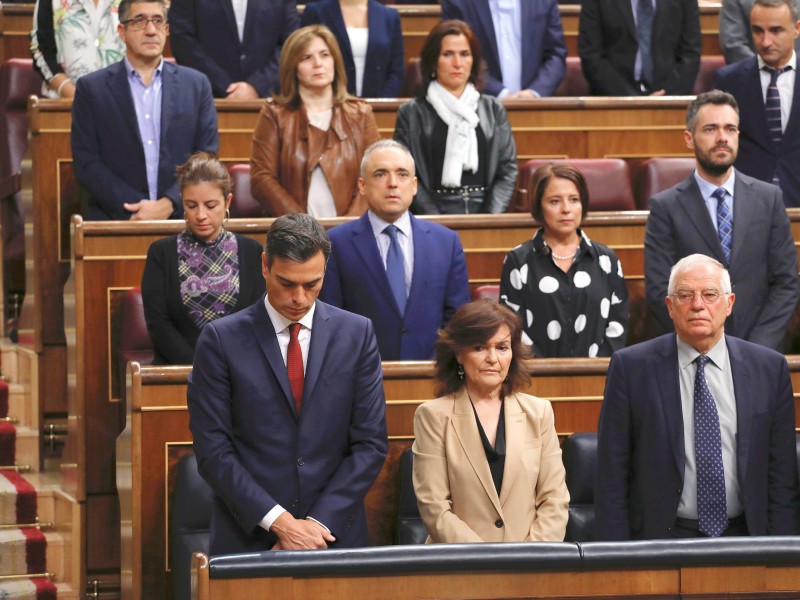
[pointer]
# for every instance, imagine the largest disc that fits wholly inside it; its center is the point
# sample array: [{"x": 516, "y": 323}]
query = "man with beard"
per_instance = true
[
  {"x": 720, "y": 212},
  {"x": 764, "y": 85}
]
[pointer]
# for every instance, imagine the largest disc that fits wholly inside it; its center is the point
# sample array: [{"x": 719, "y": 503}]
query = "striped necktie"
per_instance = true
[
  {"x": 773, "y": 110},
  {"x": 724, "y": 223}
]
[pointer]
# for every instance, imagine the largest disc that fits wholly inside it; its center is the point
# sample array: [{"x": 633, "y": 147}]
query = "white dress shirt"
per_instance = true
[{"x": 785, "y": 83}]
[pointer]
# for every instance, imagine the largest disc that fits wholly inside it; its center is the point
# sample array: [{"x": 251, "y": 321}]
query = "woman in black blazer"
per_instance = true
[
  {"x": 204, "y": 272},
  {"x": 369, "y": 31}
]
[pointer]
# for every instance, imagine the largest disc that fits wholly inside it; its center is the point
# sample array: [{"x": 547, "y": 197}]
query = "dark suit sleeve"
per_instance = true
[
  {"x": 734, "y": 38},
  {"x": 451, "y": 10},
  {"x": 395, "y": 70},
  {"x": 212, "y": 426},
  {"x": 187, "y": 47},
  {"x": 206, "y": 135},
  {"x": 457, "y": 292},
  {"x": 164, "y": 333},
  {"x": 603, "y": 78},
  {"x": 106, "y": 188},
  {"x": 367, "y": 439},
  {"x": 783, "y": 500},
  {"x": 659, "y": 256},
  {"x": 265, "y": 78},
  {"x": 782, "y": 277},
  {"x": 612, "y": 488},
  {"x": 554, "y": 56},
  {"x": 687, "y": 59}
]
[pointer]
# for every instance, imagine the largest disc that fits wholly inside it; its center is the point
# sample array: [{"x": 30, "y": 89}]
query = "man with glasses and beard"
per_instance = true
[{"x": 720, "y": 212}]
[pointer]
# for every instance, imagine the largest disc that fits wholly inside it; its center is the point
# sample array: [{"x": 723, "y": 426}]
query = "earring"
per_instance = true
[
  {"x": 460, "y": 371},
  {"x": 227, "y": 216},
  {"x": 433, "y": 75}
]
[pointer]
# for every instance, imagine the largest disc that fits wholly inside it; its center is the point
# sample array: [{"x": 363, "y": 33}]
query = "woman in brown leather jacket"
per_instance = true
[{"x": 309, "y": 139}]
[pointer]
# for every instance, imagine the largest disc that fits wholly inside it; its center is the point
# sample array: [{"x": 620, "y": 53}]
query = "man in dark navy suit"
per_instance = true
[
  {"x": 135, "y": 121},
  {"x": 236, "y": 43},
  {"x": 287, "y": 408},
  {"x": 431, "y": 280}
]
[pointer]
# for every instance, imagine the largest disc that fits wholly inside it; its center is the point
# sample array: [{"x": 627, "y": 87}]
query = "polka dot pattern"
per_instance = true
[
  {"x": 519, "y": 277},
  {"x": 614, "y": 329},
  {"x": 582, "y": 279},
  {"x": 605, "y": 306},
  {"x": 529, "y": 317},
  {"x": 554, "y": 330},
  {"x": 712, "y": 506},
  {"x": 548, "y": 285},
  {"x": 605, "y": 263},
  {"x": 593, "y": 350},
  {"x": 580, "y": 323}
]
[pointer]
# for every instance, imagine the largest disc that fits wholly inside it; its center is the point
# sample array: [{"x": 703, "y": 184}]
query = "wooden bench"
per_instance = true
[
  {"x": 416, "y": 21},
  {"x": 157, "y": 436}
]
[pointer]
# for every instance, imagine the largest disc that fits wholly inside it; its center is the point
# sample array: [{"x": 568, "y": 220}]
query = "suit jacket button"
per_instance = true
[
  {"x": 300, "y": 462},
  {"x": 243, "y": 57},
  {"x": 498, "y": 523}
]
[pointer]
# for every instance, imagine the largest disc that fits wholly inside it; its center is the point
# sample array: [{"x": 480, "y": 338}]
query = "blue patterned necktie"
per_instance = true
[
  {"x": 773, "y": 109},
  {"x": 644, "y": 34},
  {"x": 724, "y": 223},
  {"x": 712, "y": 506},
  {"x": 396, "y": 269}
]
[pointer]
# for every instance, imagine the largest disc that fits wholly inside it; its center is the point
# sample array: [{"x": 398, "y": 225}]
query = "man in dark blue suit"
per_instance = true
[
  {"x": 236, "y": 43},
  {"x": 431, "y": 279},
  {"x": 135, "y": 121},
  {"x": 769, "y": 149},
  {"x": 696, "y": 435},
  {"x": 287, "y": 408},
  {"x": 522, "y": 42}
]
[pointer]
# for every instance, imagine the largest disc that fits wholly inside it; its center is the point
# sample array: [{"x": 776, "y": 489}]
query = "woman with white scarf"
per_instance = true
[{"x": 461, "y": 140}]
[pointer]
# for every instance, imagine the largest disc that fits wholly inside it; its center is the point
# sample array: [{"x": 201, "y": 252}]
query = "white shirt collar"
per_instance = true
[
  {"x": 280, "y": 323},
  {"x": 792, "y": 62},
  {"x": 378, "y": 224}
]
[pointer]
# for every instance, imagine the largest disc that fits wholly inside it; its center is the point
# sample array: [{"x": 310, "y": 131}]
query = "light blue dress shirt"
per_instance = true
[
  {"x": 507, "y": 21},
  {"x": 706, "y": 189},
  {"x": 147, "y": 102}
]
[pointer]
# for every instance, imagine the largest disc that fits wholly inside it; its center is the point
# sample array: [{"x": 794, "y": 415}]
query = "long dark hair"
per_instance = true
[{"x": 432, "y": 48}]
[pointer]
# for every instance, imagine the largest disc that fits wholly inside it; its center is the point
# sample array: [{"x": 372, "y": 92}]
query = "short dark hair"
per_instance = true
[
  {"x": 125, "y": 7},
  {"x": 204, "y": 167},
  {"x": 475, "y": 323},
  {"x": 432, "y": 48},
  {"x": 542, "y": 176},
  {"x": 777, "y": 4},
  {"x": 298, "y": 238},
  {"x": 716, "y": 97}
]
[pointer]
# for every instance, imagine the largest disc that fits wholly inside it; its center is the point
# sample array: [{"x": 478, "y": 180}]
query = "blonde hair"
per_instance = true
[{"x": 291, "y": 55}]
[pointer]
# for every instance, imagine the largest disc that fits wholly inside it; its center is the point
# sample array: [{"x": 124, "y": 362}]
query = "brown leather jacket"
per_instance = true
[{"x": 286, "y": 150}]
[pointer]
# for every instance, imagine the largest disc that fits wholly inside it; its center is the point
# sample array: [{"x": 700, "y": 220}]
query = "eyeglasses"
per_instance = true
[
  {"x": 139, "y": 23},
  {"x": 687, "y": 297}
]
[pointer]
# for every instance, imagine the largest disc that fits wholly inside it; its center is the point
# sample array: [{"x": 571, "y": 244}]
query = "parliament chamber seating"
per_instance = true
[
  {"x": 18, "y": 80},
  {"x": 574, "y": 83},
  {"x": 654, "y": 175},
  {"x": 705, "y": 76},
  {"x": 190, "y": 521},
  {"x": 244, "y": 206},
  {"x": 608, "y": 180},
  {"x": 410, "y": 529},
  {"x": 489, "y": 291},
  {"x": 580, "y": 462}
]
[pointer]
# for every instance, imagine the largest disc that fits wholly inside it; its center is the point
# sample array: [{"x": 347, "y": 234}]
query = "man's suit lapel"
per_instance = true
[
  {"x": 268, "y": 341},
  {"x": 486, "y": 23},
  {"x": 752, "y": 101},
  {"x": 121, "y": 90},
  {"x": 792, "y": 130},
  {"x": 515, "y": 445},
  {"x": 367, "y": 248},
  {"x": 691, "y": 200},
  {"x": 424, "y": 249},
  {"x": 669, "y": 393},
  {"x": 230, "y": 19},
  {"x": 627, "y": 16},
  {"x": 746, "y": 397},
  {"x": 529, "y": 21},
  {"x": 321, "y": 334},
  {"x": 744, "y": 206},
  {"x": 467, "y": 432},
  {"x": 170, "y": 94}
]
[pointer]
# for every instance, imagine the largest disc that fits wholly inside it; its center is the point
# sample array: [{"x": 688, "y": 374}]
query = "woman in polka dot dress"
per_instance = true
[{"x": 568, "y": 290}]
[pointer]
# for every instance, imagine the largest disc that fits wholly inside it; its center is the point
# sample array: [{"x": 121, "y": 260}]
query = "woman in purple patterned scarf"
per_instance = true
[{"x": 204, "y": 272}]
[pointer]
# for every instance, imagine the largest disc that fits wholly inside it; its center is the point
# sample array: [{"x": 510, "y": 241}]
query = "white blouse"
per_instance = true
[{"x": 359, "y": 38}]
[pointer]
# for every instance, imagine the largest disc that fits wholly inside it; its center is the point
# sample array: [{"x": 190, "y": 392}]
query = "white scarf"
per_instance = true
[{"x": 461, "y": 118}]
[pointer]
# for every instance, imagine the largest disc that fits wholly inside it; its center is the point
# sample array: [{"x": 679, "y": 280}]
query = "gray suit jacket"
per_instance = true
[{"x": 763, "y": 265}]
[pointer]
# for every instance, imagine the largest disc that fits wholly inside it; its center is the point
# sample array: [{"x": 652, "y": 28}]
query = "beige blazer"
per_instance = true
[{"x": 455, "y": 492}]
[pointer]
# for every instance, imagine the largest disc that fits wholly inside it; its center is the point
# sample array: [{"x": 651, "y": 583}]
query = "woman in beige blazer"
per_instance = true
[{"x": 487, "y": 464}]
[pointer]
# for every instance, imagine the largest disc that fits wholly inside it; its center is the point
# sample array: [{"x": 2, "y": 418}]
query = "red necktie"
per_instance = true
[{"x": 294, "y": 364}]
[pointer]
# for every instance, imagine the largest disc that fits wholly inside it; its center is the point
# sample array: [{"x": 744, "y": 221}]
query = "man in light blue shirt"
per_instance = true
[
  {"x": 522, "y": 41},
  {"x": 135, "y": 121}
]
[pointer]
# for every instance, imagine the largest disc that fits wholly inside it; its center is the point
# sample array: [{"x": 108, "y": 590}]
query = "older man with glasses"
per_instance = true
[
  {"x": 133, "y": 122},
  {"x": 696, "y": 435}
]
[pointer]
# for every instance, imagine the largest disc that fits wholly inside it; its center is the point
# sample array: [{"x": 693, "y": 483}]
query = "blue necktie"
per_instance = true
[
  {"x": 773, "y": 109},
  {"x": 712, "y": 506},
  {"x": 724, "y": 223},
  {"x": 644, "y": 34},
  {"x": 396, "y": 269}
]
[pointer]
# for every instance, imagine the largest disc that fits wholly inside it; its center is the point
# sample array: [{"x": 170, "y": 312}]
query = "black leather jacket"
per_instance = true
[{"x": 414, "y": 128}]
